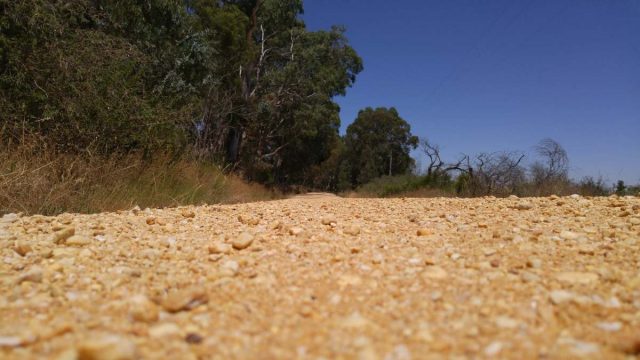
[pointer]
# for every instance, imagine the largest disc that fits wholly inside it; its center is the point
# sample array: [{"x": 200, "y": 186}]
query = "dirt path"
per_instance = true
[
  {"x": 326, "y": 278},
  {"x": 315, "y": 195}
]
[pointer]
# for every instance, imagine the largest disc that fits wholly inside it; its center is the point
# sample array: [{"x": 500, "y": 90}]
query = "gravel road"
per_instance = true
[{"x": 325, "y": 277}]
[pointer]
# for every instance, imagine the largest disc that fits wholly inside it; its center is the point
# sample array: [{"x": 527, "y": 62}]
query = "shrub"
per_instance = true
[
  {"x": 400, "y": 184},
  {"x": 589, "y": 186}
]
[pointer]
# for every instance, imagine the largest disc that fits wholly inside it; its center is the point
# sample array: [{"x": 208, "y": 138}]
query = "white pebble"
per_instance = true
[
  {"x": 493, "y": 349},
  {"x": 610, "y": 326}
]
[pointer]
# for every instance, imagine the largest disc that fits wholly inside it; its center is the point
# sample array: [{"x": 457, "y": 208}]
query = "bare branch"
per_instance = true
[
  {"x": 555, "y": 157},
  {"x": 291, "y": 46},
  {"x": 432, "y": 151}
]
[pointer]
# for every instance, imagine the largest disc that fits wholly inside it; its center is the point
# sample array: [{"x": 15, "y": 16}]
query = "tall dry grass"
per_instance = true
[{"x": 35, "y": 179}]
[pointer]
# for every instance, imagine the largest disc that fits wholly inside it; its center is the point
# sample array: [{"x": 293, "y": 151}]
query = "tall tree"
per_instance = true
[
  {"x": 272, "y": 113},
  {"x": 378, "y": 143},
  {"x": 620, "y": 188},
  {"x": 241, "y": 81},
  {"x": 551, "y": 173}
]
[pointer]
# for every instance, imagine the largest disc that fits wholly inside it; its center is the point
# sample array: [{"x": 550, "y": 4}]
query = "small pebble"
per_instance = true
[
  {"x": 569, "y": 235},
  {"x": 352, "y": 230},
  {"x": 534, "y": 263},
  {"x": 185, "y": 299},
  {"x": 107, "y": 348},
  {"x": 435, "y": 272},
  {"x": 189, "y": 214},
  {"x": 329, "y": 220},
  {"x": 306, "y": 311},
  {"x": 424, "y": 232},
  {"x": 193, "y": 338},
  {"x": 296, "y": 231},
  {"x": 524, "y": 206},
  {"x": 242, "y": 241},
  {"x": 219, "y": 248},
  {"x": 142, "y": 309},
  {"x": 229, "y": 268},
  {"x": 77, "y": 240},
  {"x": 489, "y": 252},
  {"x": 558, "y": 297},
  {"x": 10, "y": 341},
  {"x": 493, "y": 349},
  {"x": 506, "y": 322},
  {"x": 377, "y": 258},
  {"x": 165, "y": 330},
  {"x": 22, "y": 248},
  {"x": 61, "y": 236},
  {"x": 529, "y": 277},
  {"x": 575, "y": 277},
  {"x": 33, "y": 275},
  {"x": 9, "y": 218},
  {"x": 610, "y": 326}
]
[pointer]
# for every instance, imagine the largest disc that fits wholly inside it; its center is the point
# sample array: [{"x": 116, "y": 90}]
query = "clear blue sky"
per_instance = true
[{"x": 489, "y": 75}]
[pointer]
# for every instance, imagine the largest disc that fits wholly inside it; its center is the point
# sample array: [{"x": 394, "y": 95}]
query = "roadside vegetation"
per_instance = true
[
  {"x": 36, "y": 179},
  {"x": 105, "y": 105},
  {"x": 108, "y": 104},
  {"x": 543, "y": 173}
]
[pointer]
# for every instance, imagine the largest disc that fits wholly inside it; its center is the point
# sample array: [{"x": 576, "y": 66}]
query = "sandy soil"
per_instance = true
[{"x": 324, "y": 277}]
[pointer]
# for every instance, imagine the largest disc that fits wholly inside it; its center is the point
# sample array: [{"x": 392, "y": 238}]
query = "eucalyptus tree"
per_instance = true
[
  {"x": 271, "y": 111},
  {"x": 243, "y": 81},
  {"x": 378, "y": 143}
]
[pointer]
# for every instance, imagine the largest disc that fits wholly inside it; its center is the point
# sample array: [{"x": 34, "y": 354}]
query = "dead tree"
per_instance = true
[
  {"x": 437, "y": 165},
  {"x": 555, "y": 163},
  {"x": 498, "y": 173},
  {"x": 488, "y": 173}
]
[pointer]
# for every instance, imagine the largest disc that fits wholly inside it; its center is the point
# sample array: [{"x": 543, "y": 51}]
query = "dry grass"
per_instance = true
[
  {"x": 418, "y": 193},
  {"x": 36, "y": 180},
  {"x": 425, "y": 193}
]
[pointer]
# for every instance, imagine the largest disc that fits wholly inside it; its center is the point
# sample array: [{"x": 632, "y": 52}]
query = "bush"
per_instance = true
[
  {"x": 407, "y": 184},
  {"x": 589, "y": 186}
]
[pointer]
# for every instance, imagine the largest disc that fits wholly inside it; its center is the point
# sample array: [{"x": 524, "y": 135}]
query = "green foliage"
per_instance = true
[
  {"x": 70, "y": 74},
  {"x": 592, "y": 187},
  {"x": 239, "y": 81},
  {"x": 633, "y": 190},
  {"x": 296, "y": 120},
  {"x": 378, "y": 143},
  {"x": 271, "y": 112},
  {"x": 393, "y": 185},
  {"x": 621, "y": 189},
  {"x": 463, "y": 184}
]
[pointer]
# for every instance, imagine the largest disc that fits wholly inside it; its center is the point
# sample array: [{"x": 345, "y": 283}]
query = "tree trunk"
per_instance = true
[{"x": 234, "y": 139}]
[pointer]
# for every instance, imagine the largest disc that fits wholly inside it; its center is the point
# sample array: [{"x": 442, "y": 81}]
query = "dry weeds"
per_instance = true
[{"x": 36, "y": 180}]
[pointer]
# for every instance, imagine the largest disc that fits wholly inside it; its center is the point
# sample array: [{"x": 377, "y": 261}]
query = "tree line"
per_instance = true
[{"x": 242, "y": 83}]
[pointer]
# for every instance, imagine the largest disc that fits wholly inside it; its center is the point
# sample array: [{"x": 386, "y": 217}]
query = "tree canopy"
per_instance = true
[
  {"x": 378, "y": 143},
  {"x": 238, "y": 82}
]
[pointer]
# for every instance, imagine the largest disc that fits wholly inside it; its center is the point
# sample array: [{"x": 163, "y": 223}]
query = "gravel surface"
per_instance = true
[{"x": 324, "y": 277}]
